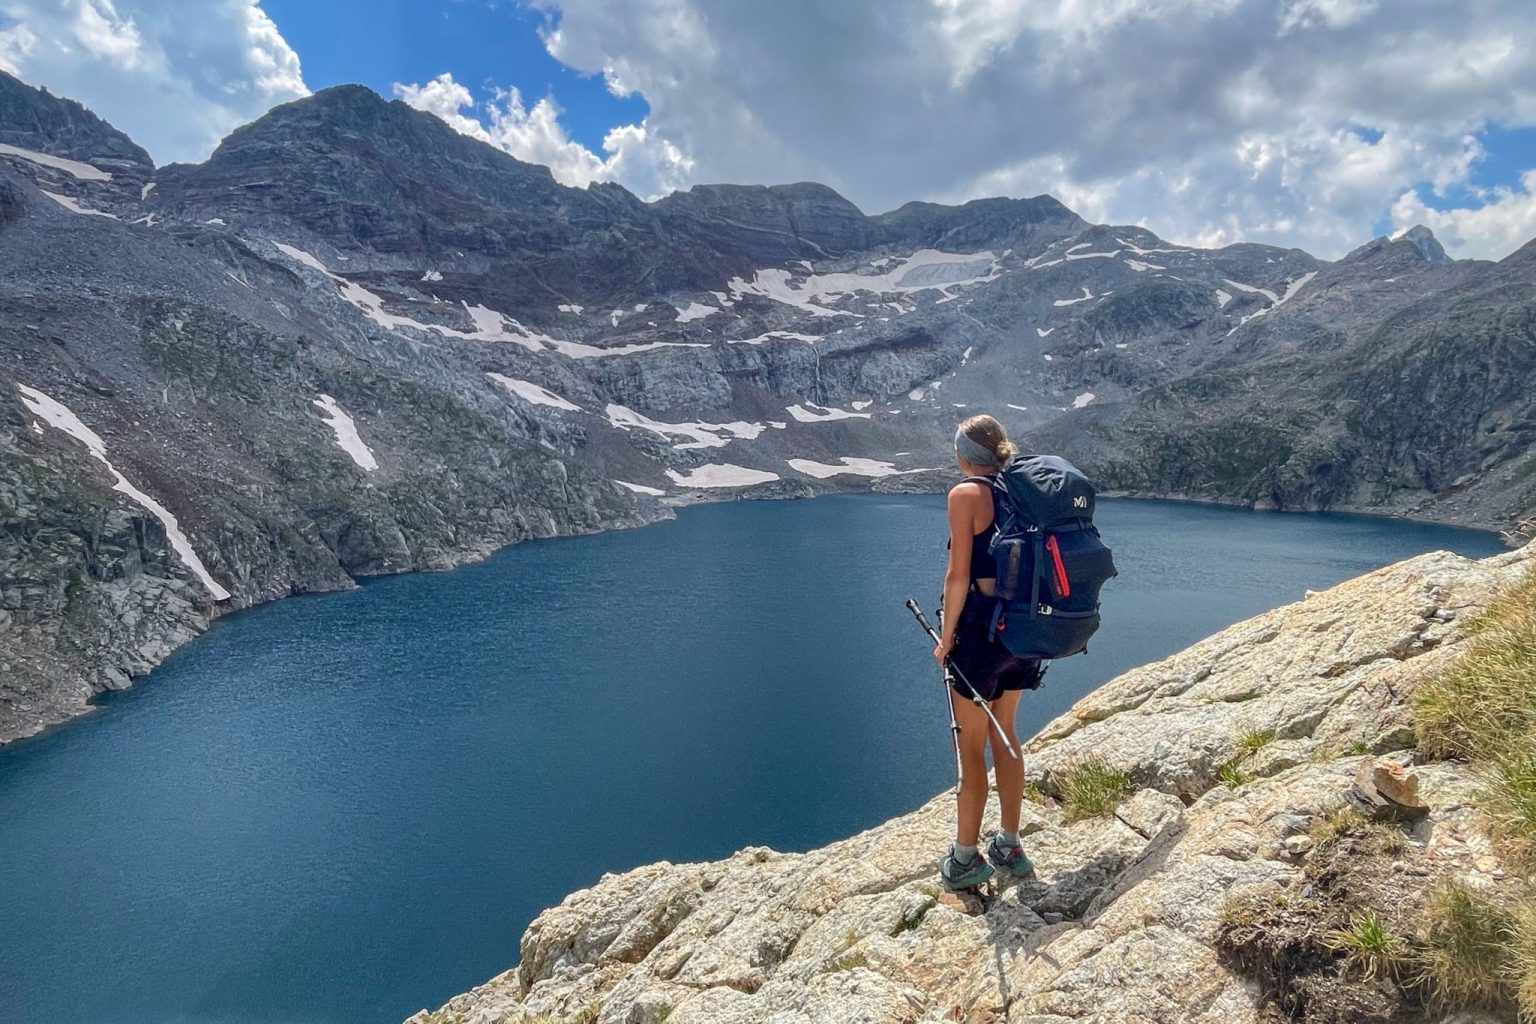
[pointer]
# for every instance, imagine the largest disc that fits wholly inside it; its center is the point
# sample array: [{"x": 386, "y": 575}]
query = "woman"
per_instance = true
[{"x": 982, "y": 448}]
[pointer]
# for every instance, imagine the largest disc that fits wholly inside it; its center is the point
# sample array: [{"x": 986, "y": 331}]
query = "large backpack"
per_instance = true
[{"x": 1050, "y": 559}]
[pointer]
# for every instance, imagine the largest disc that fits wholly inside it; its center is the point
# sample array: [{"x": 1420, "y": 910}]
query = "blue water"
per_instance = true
[{"x": 343, "y": 808}]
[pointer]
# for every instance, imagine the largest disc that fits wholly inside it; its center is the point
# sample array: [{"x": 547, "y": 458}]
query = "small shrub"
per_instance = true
[
  {"x": 1465, "y": 948},
  {"x": 1370, "y": 948},
  {"x": 1093, "y": 788},
  {"x": 588, "y": 1014},
  {"x": 663, "y": 1014},
  {"x": 1034, "y": 794}
]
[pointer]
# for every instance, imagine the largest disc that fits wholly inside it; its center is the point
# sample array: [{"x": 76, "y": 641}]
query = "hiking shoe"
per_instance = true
[
  {"x": 1008, "y": 857},
  {"x": 968, "y": 874}
]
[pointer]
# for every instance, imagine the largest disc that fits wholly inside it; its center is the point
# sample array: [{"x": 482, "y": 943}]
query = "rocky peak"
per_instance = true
[
  {"x": 1425, "y": 242},
  {"x": 35, "y": 119},
  {"x": 1417, "y": 245}
]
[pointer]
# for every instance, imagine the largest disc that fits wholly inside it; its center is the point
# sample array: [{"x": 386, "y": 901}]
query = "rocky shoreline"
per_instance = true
[{"x": 1236, "y": 757}]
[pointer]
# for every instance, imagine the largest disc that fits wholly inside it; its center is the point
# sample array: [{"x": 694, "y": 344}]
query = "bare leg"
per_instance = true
[
  {"x": 1010, "y": 772},
  {"x": 973, "y": 758}
]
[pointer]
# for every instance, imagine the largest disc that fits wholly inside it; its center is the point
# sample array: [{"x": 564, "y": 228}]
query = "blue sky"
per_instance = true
[
  {"x": 380, "y": 42},
  {"x": 1313, "y": 123}
]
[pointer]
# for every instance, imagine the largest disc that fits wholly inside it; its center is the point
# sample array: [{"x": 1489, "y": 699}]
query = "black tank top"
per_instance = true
[{"x": 983, "y": 567}]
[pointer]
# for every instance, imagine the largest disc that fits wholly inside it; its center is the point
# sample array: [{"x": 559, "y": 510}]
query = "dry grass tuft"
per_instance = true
[{"x": 1466, "y": 939}]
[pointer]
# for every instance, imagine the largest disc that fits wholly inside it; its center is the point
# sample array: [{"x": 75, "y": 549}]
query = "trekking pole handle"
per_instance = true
[{"x": 922, "y": 619}]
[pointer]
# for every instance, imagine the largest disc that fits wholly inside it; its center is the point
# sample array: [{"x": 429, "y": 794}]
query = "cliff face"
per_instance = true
[{"x": 1235, "y": 751}]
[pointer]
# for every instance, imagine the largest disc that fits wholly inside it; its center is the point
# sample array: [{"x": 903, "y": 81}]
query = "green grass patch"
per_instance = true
[
  {"x": 1370, "y": 948},
  {"x": 1253, "y": 742},
  {"x": 1233, "y": 774},
  {"x": 1093, "y": 789}
]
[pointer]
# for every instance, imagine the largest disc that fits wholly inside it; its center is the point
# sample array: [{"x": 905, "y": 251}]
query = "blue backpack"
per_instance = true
[{"x": 1051, "y": 562}]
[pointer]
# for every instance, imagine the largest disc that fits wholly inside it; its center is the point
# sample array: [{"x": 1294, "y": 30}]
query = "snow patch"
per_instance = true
[
  {"x": 82, "y": 171},
  {"x": 695, "y": 311},
  {"x": 58, "y": 415},
  {"x": 1133, "y": 247},
  {"x": 570, "y": 307},
  {"x": 531, "y": 392},
  {"x": 924, "y": 270},
  {"x": 861, "y": 405},
  {"x": 1086, "y": 296},
  {"x": 851, "y": 466},
  {"x": 217, "y": 222},
  {"x": 813, "y": 413},
  {"x": 74, "y": 207},
  {"x": 1290, "y": 291},
  {"x": 1271, "y": 296},
  {"x": 1083, "y": 399},
  {"x": 1222, "y": 298},
  {"x": 1021, "y": 408},
  {"x": 701, "y": 435},
  {"x": 1141, "y": 267},
  {"x": 721, "y": 475},
  {"x": 347, "y": 437},
  {"x": 655, "y": 492},
  {"x": 809, "y": 339},
  {"x": 490, "y": 325},
  {"x": 145, "y": 191},
  {"x": 1044, "y": 331},
  {"x": 432, "y": 275}
]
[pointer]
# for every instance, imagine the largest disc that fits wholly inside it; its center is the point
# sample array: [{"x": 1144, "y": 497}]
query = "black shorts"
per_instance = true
[{"x": 991, "y": 668}]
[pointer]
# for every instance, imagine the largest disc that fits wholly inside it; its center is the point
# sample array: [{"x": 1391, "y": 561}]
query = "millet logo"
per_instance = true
[{"x": 1080, "y": 502}]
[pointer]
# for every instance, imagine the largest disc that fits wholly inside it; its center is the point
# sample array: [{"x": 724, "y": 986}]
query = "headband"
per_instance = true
[{"x": 972, "y": 452}]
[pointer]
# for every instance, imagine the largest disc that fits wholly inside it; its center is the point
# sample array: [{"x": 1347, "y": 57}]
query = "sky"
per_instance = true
[{"x": 1312, "y": 123}]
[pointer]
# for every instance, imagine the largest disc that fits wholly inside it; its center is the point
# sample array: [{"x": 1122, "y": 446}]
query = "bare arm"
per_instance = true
[{"x": 965, "y": 505}]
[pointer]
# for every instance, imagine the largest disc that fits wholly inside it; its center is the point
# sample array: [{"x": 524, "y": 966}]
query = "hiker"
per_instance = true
[{"x": 982, "y": 449}]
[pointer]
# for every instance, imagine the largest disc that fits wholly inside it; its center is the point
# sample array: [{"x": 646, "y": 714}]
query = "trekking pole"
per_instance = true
[
  {"x": 954, "y": 726},
  {"x": 951, "y": 669}
]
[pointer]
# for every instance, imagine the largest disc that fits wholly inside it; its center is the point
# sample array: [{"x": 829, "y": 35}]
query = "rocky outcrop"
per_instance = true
[{"x": 1122, "y": 922}]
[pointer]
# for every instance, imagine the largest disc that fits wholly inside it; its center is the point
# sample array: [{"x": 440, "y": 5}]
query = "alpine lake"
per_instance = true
[{"x": 343, "y": 808}]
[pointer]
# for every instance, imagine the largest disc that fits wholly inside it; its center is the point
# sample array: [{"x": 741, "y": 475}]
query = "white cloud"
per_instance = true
[
  {"x": 1299, "y": 122},
  {"x": 176, "y": 75},
  {"x": 636, "y": 157}
]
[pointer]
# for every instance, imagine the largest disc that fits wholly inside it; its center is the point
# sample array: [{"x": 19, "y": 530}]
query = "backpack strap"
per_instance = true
[{"x": 1038, "y": 574}]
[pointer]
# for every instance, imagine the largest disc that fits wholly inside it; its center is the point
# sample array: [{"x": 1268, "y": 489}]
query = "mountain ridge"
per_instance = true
[{"x": 329, "y": 352}]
